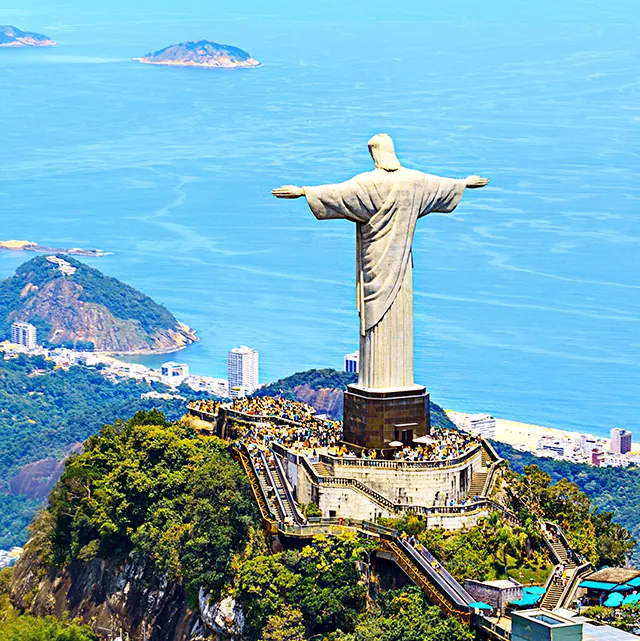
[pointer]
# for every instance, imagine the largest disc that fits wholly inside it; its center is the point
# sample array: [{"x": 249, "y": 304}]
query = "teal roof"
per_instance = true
[
  {"x": 623, "y": 587},
  {"x": 480, "y": 605},
  {"x": 534, "y": 589},
  {"x": 598, "y": 585},
  {"x": 634, "y": 582},
  {"x": 527, "y": 599}
]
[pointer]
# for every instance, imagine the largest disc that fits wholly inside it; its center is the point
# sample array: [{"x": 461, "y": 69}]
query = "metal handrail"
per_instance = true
[
  {"x": 272, "y": 482},
  {"x": 585, "y": 568},
  {"x": 298, "y": 518}
]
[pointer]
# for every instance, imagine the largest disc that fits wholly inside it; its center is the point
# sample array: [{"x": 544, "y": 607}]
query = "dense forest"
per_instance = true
[
  {"x": 611, "y": 489},
  {"x": 120, "y": 299},
  {"x": 44, "y": 410},
  {"x": 148, "y": 489}
]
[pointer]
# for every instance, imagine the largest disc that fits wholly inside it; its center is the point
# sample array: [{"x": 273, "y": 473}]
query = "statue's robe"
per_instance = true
[{"x": 385, "y": 206}]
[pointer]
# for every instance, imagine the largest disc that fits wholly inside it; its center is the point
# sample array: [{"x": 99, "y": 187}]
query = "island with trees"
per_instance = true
[
  {"x": 14, "y": 37},
  {"x": 201, "y": 53}
]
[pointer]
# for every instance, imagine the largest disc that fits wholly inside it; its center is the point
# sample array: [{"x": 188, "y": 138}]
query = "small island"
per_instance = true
[
  {"x": 30, "y": 246},
  {"x": 13, "y": 37},
  {"x": 202, "y": 53}
]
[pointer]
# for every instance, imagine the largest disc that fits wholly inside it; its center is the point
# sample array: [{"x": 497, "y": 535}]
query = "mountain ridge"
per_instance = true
[{"x": 74, "y": 305}]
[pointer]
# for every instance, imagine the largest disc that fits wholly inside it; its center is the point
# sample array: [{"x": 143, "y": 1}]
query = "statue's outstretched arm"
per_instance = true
[
  {"x": 288, "y": 191},
  {"x": 475, "y": 182}
]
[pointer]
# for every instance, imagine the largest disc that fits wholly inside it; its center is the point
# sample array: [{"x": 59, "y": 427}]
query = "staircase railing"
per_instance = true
[
  {"x": 572, "y": 584},
  {"x": 268, "y": 518},
  {"x": 272, "y": 483},
  {"x": 297, "y": 516}
]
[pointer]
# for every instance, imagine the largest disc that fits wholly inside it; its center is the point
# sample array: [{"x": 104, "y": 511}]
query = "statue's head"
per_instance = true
[{"x": 383, "y": 153}]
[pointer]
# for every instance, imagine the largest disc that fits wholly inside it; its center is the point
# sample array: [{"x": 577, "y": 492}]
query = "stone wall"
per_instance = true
[
  {"x": 494, "y": 595},
  {"x": 415, "y": 485}
]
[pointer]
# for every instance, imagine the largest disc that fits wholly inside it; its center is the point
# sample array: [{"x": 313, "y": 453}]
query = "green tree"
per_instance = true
[
  {"x": 287, "y": 625},
  {"x": 158, "y": 491},
  {"x": 28, "y": 628}
]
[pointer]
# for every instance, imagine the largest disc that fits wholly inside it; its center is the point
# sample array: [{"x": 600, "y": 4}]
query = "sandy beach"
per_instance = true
[{"x": 525, "y": 436}]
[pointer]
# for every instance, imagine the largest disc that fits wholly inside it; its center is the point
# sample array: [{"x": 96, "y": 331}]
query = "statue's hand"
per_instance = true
[
  {"x": 288, "y": 191},
  {"x": 475, "y": 182}
]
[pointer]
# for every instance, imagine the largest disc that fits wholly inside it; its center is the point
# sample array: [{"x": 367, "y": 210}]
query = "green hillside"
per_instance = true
[
  {"x": 42, "y": 411},
  {"x": 79, "y": 304},
  {"x": 611, "y": 489}
]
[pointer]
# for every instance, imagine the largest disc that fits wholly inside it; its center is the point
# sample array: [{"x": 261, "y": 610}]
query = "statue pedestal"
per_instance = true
[{"x": 375, "y": 417}]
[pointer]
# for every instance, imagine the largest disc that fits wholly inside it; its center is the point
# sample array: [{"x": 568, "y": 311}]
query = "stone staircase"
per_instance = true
[
  {"x": 322, "y": 469},
  {"x": 555, "y": 591},
  {"x": 478, "y": 481}
]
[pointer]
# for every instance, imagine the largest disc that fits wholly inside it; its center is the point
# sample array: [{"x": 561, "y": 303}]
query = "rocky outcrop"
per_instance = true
[
  {"x": 109, "y": 596},
  {"x": 225, "y": 617},
  {"x": 72, "y": 320},
  {"x": 70, "y": 303},
  {"x": 37, "y": 479},
  {"x": 326, "y": 401},
  {"x": 130, "y": 595},
  {"x": 202, "y": 53}
]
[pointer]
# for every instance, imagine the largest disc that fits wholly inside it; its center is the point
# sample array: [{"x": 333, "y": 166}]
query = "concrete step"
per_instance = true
[{"x": 322, "y": 469}]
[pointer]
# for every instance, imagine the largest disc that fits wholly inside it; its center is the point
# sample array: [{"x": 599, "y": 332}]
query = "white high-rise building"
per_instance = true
[
  {"x": 352, "y": 363},
  {"x": 24, "y": 334},
  {"x": 620, "y": 441},
  {"x": 174, "y": 373},
  {"x": 481, "y": 425},
  {"x": 242, "y": 371}
]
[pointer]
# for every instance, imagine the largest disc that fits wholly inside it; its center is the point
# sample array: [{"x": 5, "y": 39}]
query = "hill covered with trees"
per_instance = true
[
  {"x": 44, "y": 411},
  {"x": 74, "y": 305},
  {"x": 612, "y": 490},
  {"x": 153, "y": 513}
]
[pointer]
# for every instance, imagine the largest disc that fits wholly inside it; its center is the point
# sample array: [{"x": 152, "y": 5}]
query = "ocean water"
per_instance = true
[{"x": 527, "y": 300}]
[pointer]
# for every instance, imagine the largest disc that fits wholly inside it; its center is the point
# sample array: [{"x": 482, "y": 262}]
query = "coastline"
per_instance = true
[
  {"x": 250, "y": 64},
  {"x": 525, "y": 436},
  {"x": 28, "y": 44}
]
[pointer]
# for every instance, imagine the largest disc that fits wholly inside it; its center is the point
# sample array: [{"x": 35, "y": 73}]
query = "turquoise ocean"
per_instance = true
[{"x": 527, "y": 299}]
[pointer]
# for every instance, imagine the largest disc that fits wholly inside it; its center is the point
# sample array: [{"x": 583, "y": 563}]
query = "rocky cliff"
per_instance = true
[
  {"x": 13, "y": 37},
  {"x": 112, "y": 595},
  {"x": 202, "y": 53},
  {"x": 73, "y": 304}
]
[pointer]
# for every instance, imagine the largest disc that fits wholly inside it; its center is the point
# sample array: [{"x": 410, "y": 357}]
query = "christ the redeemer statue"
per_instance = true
[{"x": 385, "y": 204}]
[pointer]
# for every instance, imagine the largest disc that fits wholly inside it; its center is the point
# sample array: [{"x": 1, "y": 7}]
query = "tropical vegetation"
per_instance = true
[
  {"x": 151, "y": 489},
  {"x": 44, "y": 410},
  {"x": 614, "y": 493}
]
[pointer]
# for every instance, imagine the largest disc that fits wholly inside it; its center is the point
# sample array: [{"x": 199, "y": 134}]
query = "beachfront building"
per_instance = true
[
  {"x": 24, "y": 334},
  {"x": 243, "y": 366},
  {"x": 610, "y": 459},
  {"x": 174, "y": 373},
  {"x": 620, "y": 441},
  {"x": 481, "y": 425},
  {"x": 352, "y": 363}
]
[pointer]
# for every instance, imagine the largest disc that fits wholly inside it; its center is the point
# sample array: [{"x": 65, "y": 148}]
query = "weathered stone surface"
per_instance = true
[
  {"x": 109, "y": 596},
  {"x": 225, "y": 617}
]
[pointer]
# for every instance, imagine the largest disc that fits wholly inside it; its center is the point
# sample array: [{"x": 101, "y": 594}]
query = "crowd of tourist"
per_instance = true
[
  {"x": 303, "y": 431},
  {"x": 206, "y": 406},
  {"x": 448, "y": 444},
  {"x": 311, "y": 434},
  {"x": 271, "y": 407}
]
